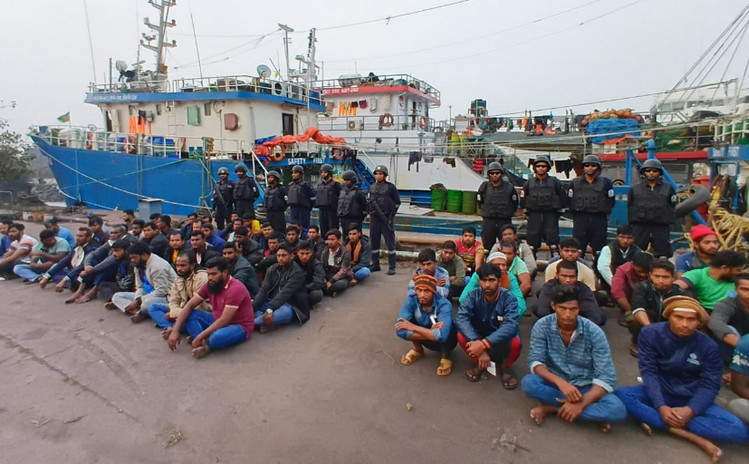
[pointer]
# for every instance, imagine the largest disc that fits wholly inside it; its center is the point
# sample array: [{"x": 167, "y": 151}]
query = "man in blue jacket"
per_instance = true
[
  {"x": 681, "y": 371},
  {"x": 487, "y": 322}
]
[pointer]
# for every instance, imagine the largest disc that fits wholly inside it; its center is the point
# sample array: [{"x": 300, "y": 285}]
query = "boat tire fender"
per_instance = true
[
  {"x": 386, "y": 120},
  {"x": 700, "y": 194},
  {"x": 90, "y": 141}
]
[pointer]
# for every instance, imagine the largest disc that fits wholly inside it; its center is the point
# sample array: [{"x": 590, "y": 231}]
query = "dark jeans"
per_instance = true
[
  {"x": 590, "y": 229},
  {"x": 337, "y": 286},
  {"x": 379, "y": 230},
  {"x": 328, "y": 220},
  {"x": 607, "y": 409},
  {"x": 656, "y": 235},
  {"x": 301, "y": 215},
  {"x": 543, "y": 226},
  {"x": 222, "y": 216},
  {"x": 490, "y": 230},
  {"x": 277, "y": 220},
  {"x": 314, "y": 297},
  {"x": 503, "y": 355},
  {"x": 244, "y": 206}
]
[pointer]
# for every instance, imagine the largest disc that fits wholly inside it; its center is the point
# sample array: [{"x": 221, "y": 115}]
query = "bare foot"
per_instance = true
[
  {"x": 90, "y": 295},
  {"x": 74, "y": 297},
  {"x": 353, "y": 282},
  {"x": 201, "y": 351},
  {"x": 647, "y": 429},
  {"x": 705, "y": 445},
  {"x": 605, "y": 427},
  {"x": 110, "y": 306},
  {"x": 539, "y": 413},
  {"x": 166, "y": 332}
]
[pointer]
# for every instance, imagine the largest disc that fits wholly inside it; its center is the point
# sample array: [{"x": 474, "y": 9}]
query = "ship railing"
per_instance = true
[
  {"x": 246, "y": 83},
  {"x": 384, "y": 80},
  {"x": 732, "y": 131},
  {"x": 137, "y": 86},
  {"x": 376, "y": 122}
]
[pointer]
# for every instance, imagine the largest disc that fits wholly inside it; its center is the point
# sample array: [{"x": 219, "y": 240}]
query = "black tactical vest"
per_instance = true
[
  {"x": 589, "y": 198},
  {"x": 653, "y": 206},
  {"x": 297, "y": 197},
  {"x": 498, "y": 202},
  {"x": 543, "y": 196}
]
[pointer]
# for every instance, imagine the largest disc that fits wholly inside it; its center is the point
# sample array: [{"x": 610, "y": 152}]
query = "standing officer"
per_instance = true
[
  {"x": 326, "y": 199},
  {"x": 223, "y": 198},
  {"x": 352, "y": 203},
  {"x": 385, "y": 201},
  {"x": 542, "y": 199},
  {"x": 275, "y": 202},
  {"x": 591, "y": 201},
  {"x": 498, "y": 201},
  {"x": 301, "y": 197},
  {"x": 245, "y": 191},
  {"x": 651, "y": 208}
]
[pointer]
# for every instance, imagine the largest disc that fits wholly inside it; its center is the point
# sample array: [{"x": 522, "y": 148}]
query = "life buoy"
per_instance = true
[
  {"x": 437, "y": 130},
  {"x": 90, "y": 141},
  {"x": 423, "y": 122},
  {"x": 130, "y": 144},
  {"x": 386, "y": 120},
  {"x": 276, "y": 157},
  {"x": 337, "y": 154}
]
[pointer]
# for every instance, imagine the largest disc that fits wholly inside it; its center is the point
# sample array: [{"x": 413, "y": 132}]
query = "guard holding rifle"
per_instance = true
[
  {"x": 223, "y": 198},
  {"x": 384, "y": 202},
  {"x": 245, "y": 191}
]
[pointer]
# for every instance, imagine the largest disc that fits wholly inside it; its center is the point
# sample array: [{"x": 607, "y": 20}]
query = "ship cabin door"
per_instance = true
[
  {"x": 287, "y": 123},
  {"x": 108, "y": 121}
]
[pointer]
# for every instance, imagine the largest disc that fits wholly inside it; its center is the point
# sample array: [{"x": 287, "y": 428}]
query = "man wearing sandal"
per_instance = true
[
  {"x": 426, "y": 320},
  {"x": 487, "y": 323},
  {"x": 572, "y": 373}
]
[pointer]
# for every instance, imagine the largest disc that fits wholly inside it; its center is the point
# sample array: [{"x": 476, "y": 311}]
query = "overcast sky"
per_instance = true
[{"x": 504, "y": 52}]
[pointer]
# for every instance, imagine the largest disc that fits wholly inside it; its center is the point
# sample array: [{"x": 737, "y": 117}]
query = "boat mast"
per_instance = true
[{"x": 160, "y": 29}]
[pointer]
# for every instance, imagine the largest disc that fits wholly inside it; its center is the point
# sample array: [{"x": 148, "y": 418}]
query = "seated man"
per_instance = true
[
  {"x": 176, "y": 246},
  {"x": 265, "y": 232},
  {"x": 336, "y": 261},
  {"x": 713, "y": 283},
  {"x": 705, "y": 244},
  {"x": 230, "y": 225},
  {"x": 314, "y": 274},
  {"x": 487, "y": 323},
  {"x": 231, "y": 318},
  {"x": 70, "y": 267},
  {"x": 164, "y": 224},
  {"x": 188, "y": 282},
  {"x": 730, "y": 318},
  {"x": 508, "y": 282},
  {"x": 136, "y": 229},
  {"x": 427, "y": 260},
  {"x": 211, "y": 237},
  {"x": 190, "y": 225},
  {"x": 426, "y": 320},
  {"x": 124, "y": 276},
  {"x": 100, "y": 233},
  {"x": 158, "y": 243},
  {"x": 517, "y": 266},
  {"x": 4, "y": 240},
  {"x": 454, "y": 266},
  {"x": 283, "y": 296},
  {"x": 470, "y": 250},
  {"x": 360, "y": 249},
  {"x": 316, "y": 240},
  {"x": 60, "y": 232},
  {"x": 292, "y": 238},
  {"x": 269, "y": 255},
  {"x": 572, "y": 373},
  {"x": 46, "y": 253},
  {"x": 204, "y": 252},
  {"x": 624, "y": 281},
  {"x": 739, "y": 379},
  {"x": 18, "y": 251},
  {"x": 586, "y": 301},
  {"x": 510, "y": 234},
  {"x": 153, "y": 282},
  {"x": 241, "y": 269},
  {"x": 619, "y": 251},
  {"x": 231, "y": 230},
  {"x": 248, "y": 246},
  {"x": 648, "y": 297},
  {"x": 681, "y": 374},
  {"x": 569, "y": 250},
  {"x": 252, "y": 224}
]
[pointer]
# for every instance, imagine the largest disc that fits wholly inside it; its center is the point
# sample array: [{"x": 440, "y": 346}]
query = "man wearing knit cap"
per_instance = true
[
  {"x": 426, "y": 320},
  {"x": 705, "y": 244},
  {"x": 681, "y": 372}
]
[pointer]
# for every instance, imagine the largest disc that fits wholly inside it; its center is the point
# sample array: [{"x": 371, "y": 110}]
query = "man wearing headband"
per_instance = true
[
  {"x": 487, "y": 323},
  {"x": 508, "y": 281},
  {"x": 426, "y": 320},
  {"x": 705, "y": 244},
  {"x": 567, "y": 276},
  {"x": 713, "y": 283},
  {"x": 572, "y": 373},
  {"x": 681, "y": 373}
]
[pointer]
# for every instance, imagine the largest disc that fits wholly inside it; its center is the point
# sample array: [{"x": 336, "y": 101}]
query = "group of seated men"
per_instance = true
[{"x": 688, "y": 323}]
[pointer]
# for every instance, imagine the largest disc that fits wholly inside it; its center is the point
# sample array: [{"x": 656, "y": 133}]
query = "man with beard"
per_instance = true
[
  {"x": 136, "y": 228},
  {"x": 71, "y": 265},
  {"x": 231, "y": 318},
  {"x": 705, "y": 243},
  {"x": 223, "y": 197},
  {"x": 153, "y": 237},
  {"x": 283, "y": 295},
  {"x": 730, "y": 318},
  {"x": 203, "y": 251},
  {"x": 352, "y": 203},
  {"x": 100, "y": 234},
  {"x": 360, "y": 249},
  {"x": 188, "y": 282},
  {"x": 241, "y": 269},
  {"x": 617, "y": 252},
  {"x": 211, "y": 236},
  {"x": 176, "y": 246},
  {"x": 651, "y": 207},
  {"x": 275, "y": 202},
  {"x": 124, "y": 277},
  {"x": 326, "y": 198},
  {"x": 314, "y": 274},
  {"x": 249, "y": 248},
  {"x": 245, "y": 191},
  {"x": 336, "y": 261},
  {"x": 153, "y": 281},
  {"x": 713, "y": 283},
  {"x": 681, "y": 373},
  {"x": 301, "y": 197}
]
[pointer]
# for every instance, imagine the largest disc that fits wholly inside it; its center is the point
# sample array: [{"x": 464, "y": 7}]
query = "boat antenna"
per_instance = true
[
  {"x": 197, "y": 50},
  {"x": 161, "y": 44},
  {"x": 90, "y": 42},
  {"x": 286, "y": 41}
]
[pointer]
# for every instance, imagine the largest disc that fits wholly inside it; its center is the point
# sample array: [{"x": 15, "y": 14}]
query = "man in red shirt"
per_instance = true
[
  {"x": 470, "y": 250},
  {"x": 232, "y": 320},
  {"x": 624, "y": 280}
]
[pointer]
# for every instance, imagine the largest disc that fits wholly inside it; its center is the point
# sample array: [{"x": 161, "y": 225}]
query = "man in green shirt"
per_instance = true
[
  {"x": 45, "y": 254},
  {"x": 713, "y": 283}
]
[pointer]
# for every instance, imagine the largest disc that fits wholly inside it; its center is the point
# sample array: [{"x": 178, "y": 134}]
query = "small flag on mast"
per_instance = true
[{"x": 64, "y": 118}]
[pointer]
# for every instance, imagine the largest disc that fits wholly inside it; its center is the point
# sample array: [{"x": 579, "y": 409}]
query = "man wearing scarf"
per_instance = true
[
  {"x": 360, "y": 249},
  {"x": 681, "y": 371}
]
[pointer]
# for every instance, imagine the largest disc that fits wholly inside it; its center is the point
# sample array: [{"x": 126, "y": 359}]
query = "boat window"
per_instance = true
[
  {"x": 718, "y": 102},
  {"x": 287, "y": 122},
  {"x": 207, "y": 109},
  {"x": 744, "y": 99},
  {"x": 666, "y": 107}
]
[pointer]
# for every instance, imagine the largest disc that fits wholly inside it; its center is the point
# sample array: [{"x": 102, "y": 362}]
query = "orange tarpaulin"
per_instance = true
[{"x": 311, "y": 133}]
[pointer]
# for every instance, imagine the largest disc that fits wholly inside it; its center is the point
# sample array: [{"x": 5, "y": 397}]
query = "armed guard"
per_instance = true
[
  {"x": 275, "y": 202},
  {"x": 301, "y": 197},
  {"x": 245, "y": 191},
  {"x": 542, "y": 199},
  {"x": 651, "y": 206},
  {"x": 326, "y": 198},
  {"x": 352, "y": 203},
  {"x": 223, "y": 198},
  {"x": 384, "y": 202},
  {"x": 591, "y": 201},
  {"x": 498, "y": 201}
]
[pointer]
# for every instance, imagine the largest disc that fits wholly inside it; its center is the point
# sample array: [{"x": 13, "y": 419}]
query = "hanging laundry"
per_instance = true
[
  {"x": 564, "y": 166},
  {"x": 450, "y": 161},
  {"x": 363, "y": 104},
  {"x": 354, "y": 104},
  {"x": 413, "y": 158}
]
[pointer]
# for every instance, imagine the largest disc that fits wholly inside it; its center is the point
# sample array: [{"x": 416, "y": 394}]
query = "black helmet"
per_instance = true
[
  {"x": 326, "y": 167},
  {"x": 493, "y": 166},
  {"x": 274, "y": 174},
  {"x": 381, "y": 168},
  {"x": 651, "y": 163},
  {"x": 542, "y": 159},
  {"x": 297, "y": 168},
  {"x": 592, "y": 159},
  {"x": 240, "y": 167},
  {"x": 223, "y": 170},
  {"x": 349, "y": 175}
]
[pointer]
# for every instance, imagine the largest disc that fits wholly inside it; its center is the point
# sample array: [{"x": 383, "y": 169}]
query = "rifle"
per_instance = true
[{"x": 379, "y": 213}]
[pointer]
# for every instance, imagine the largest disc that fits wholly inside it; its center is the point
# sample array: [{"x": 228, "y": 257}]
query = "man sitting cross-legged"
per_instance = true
[
  {"x": 336, "y": 260},
  {"x": 230, "y": 322},
  {"x": 572, "y": 373},
  {"x": 283, "y": 295},
  {"x": 314, "y": 273},
  {"x": 49, "y": 250},
  {"x": 188, "y": 282},
  {"x": 487, "y": 323},
  {"x": 426, "y": 320},
  {"x": 681, "y": 370},
  {"x": 70, "y": 267},
  {"x": 360, "y": 249},
  {"x": 567, "y": 275}
]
